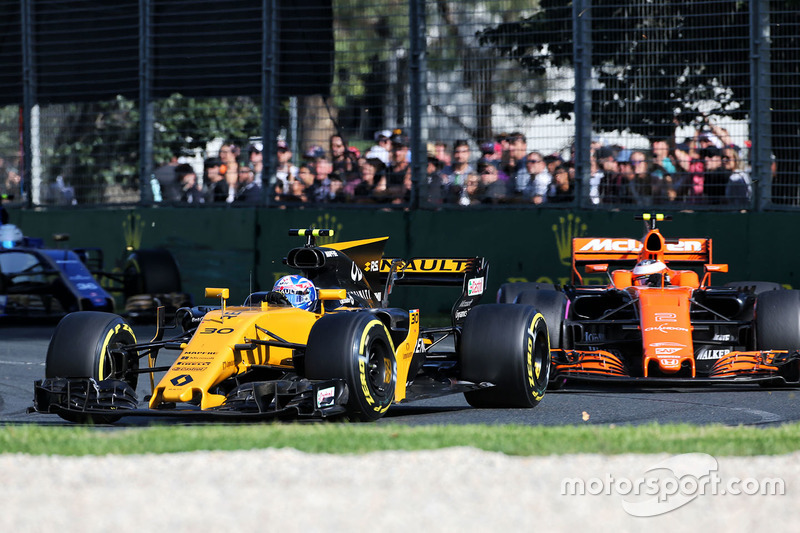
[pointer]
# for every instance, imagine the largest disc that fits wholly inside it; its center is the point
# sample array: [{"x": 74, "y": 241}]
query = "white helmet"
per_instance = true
[
  {"x": 649, "y": 272},
  {"x": 10, "y": 236}
]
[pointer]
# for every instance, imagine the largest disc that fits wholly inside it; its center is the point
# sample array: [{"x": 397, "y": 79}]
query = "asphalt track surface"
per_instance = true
[{"x": 23, "y": 348}]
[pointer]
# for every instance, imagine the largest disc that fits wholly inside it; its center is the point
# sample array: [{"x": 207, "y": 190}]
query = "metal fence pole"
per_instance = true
[
  {"x": 28, "y": 96},
  {"x": 268, "y": 96},
  {"x": 146, "y": 111},
  {"x": 582, "y": 58},
  {"x": 760, "y": 120},
  {"x": 416, "y": 19}
]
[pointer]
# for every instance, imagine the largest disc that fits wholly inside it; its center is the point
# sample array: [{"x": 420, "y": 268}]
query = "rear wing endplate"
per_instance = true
[{"x": 469, "y": 272}]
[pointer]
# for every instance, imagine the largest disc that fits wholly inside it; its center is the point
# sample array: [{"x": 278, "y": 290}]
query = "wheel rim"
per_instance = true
[{"x": 380, "y": 370}]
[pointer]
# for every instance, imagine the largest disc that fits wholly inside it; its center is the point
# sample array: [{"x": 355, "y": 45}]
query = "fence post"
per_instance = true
[
  {"x": 760, "y": 120},
  {"x": 146, "y": 112},
  {"x": 269, "y": 91},
  {"x": 29, "y": 188},
  {"x": 417, "y": 83},
  {"x": 582, "y": 58}
]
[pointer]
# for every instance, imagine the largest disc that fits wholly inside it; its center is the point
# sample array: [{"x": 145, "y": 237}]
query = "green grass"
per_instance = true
[{"x": 361, "y": 438}]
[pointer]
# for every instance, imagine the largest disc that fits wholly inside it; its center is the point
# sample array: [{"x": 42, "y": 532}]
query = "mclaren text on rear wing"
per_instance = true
[{"x": 623, "y": 252}]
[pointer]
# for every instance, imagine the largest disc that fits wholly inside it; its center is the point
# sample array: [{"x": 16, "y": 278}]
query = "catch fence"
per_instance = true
[{"x": 492, "y": 104}]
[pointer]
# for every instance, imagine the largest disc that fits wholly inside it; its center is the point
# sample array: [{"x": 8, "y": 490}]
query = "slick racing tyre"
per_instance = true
[
  {"x": 82, "y": 347},
  {"x": 778, "y": 320},
  {"x": 508, "y": 292},
  {"x": 355, "y": 347},
  {"x": 553, "y": 307},
  {"x": 508, "y": 346},
  {"x": 756, "y": 286},
  {"x": 151, "y": 272}
]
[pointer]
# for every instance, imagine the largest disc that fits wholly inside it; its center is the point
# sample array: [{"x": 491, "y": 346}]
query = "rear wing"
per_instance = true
[
  {"x": 469, "y": 272},
  {"x": 625, "y": 253}
]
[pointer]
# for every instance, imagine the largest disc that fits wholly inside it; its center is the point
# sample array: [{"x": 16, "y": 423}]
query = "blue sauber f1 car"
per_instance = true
[{"x": 40, "y": 282}]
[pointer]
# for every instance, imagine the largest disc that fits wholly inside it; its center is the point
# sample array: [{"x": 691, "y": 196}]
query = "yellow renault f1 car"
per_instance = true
[{"x": 320, "y": 344}]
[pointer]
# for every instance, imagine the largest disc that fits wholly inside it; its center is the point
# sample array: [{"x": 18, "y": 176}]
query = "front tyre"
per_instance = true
[
  {"x": 87, "y": 344},
  {"x": 355, "y": 347},
  {"x": 508, "y": 346}
]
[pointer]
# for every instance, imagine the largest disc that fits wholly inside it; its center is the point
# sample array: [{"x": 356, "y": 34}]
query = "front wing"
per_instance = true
[
  {"x": 84, "y": 398},
  {"x": 778, "y": 367}
]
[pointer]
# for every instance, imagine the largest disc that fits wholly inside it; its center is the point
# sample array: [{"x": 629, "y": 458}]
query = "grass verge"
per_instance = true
[{"x": 353, "y": 439}]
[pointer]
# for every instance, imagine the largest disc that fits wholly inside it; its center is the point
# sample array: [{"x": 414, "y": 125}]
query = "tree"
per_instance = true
[{"x": 657, "y": 64}]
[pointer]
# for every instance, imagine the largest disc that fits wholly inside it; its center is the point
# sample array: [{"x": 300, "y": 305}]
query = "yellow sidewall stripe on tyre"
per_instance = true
[
  {"x": 104, "y": 348},
  {"x": 534, "y": 369},
  {"x": 362, "y": 367}
]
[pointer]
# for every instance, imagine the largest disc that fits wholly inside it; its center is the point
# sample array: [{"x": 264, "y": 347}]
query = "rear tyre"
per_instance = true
[
  {"x": 151, "y": 272},
  {"x": 553, "y": 306},
  {"x": 508, "y": 292},
  {"x": 355, "y": 347},
  {"x": 778, "y": 320},
  {"x": 506, "y": 345},
  {"x": 81, "y": 347}
]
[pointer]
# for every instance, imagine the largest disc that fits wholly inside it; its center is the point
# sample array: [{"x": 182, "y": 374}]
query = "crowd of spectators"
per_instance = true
[{"x": 705, "y": 169}]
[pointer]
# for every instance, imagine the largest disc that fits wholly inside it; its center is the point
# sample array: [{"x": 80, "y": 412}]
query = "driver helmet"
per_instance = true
[
  {"x": 10, "y": 236},
  {"x": 300, "y": 291},
  {"x": 648, "y": 273}
]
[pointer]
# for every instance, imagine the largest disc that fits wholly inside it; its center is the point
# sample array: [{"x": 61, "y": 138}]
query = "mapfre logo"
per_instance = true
[{"x": 666, "y": 351}]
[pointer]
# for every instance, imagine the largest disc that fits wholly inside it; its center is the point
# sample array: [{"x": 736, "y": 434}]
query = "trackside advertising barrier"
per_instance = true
[{"x": 242, "y": 249}]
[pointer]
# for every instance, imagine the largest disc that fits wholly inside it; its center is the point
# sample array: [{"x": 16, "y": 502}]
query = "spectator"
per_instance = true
[
  {"x": 322, "y": 180},
  {"x": 664, "y": 170},
  {"x": 186, "y": 179},
  {"x": 10, "y": 182},
  {"x": 166, "y": 185},
  {"x": 562, "y": 189},
  {"x": 305, "y": 174},
  {"x": 297, "y": 189},
  {"x": 441, "y": 153},
  {"x": 345, "y": 162},
  {"x": 689, "y": 184},
  {"x": 434, "y": 181},
  {"x": 371, "y": 171},
  {"x": 381, "y": 150},
  {"x": 229, "y": 155},
  {"x": 739, "y": 189},
  {"x": 216, "y": 189},
  {"x": 335, "y": 193},
  {"x": 256, "y": 160},
  {"x": 539, "y": 180},
  {"x": 472, "y": 192},
  {"x": 715, "y": 176},
  {"x": 398, "y": 175},
  {"x": 490, "y": 153},
  {"x": 286, "y": 171},
  {"x": 596, "y": 175},
  {"x": 552, "y": 161},
  {"x": 314, "y": 153},
  {"x": 609, "y": 170},
  {"x": 494, "y": 190},
  {"x": 456, "y": 174},
  {"x": 641, "y": 185},
  {"x": 514, "y": 164},
  {"x": 249, "y": 192}
]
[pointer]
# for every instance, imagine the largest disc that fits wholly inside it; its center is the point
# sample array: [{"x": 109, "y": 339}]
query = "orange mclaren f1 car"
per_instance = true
[{"x": 659, "y": 320}]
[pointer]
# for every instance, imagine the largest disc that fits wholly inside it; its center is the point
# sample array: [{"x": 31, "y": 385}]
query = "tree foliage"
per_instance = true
[{"x": 655, "y": 64}]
